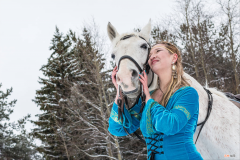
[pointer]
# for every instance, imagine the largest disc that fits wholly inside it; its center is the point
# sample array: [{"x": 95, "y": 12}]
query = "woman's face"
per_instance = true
[{"x": 160, "y": 58}]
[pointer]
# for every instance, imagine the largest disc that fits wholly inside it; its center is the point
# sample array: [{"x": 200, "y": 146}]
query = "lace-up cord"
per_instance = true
[{"x": 153, "y": 146}]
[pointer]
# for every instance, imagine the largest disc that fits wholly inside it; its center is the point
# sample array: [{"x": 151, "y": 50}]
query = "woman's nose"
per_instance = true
[{"x": 151, "y": 58}]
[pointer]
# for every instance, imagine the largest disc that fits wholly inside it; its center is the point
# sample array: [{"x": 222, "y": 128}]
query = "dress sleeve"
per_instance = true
[
  {"x": 131, "y": 120},
  {"x": 172, "y": 121}
]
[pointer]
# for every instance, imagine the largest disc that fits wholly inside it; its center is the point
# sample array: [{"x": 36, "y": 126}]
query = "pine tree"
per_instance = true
[
  {"x": 221, "y": 72},
  {"x": 205, "y": 47},
  {"x": 91, "y": 97},
  {"x": 230, "y": 9},
  {"x": 6, "y": 108},
  {"x": 163, "y": 34},
  {"x": 12, "y": 145},
  {"x": 51, "y": 95}
]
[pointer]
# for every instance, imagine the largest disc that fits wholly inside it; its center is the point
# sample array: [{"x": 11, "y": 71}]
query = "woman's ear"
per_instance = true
[{"x": 175, "y": 57}]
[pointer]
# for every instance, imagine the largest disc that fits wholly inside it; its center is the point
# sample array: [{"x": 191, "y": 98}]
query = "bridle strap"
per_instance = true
[
  {"x": 145, "y": 65},
  {"x": 130, "y": 58},
  {"x": 149, "y": 49},
  {"x": 210, "y": 102}
]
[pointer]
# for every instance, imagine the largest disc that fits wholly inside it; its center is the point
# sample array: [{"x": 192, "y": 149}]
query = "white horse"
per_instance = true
[{"x": 219, "y": 138}]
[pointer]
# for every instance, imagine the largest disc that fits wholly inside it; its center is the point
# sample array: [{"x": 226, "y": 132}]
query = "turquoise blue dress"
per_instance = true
[{"x": 168, "y": 131}]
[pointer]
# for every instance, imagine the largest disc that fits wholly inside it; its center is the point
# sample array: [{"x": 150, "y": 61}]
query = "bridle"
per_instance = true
[
  {"x": 145, "y": 65},
  {"x": 121, "y": 99}
]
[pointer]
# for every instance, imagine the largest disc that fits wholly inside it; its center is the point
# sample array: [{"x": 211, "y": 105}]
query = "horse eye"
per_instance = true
[
  {"x": 113, "y": 56},
  {"x": 144, "y": 46}
]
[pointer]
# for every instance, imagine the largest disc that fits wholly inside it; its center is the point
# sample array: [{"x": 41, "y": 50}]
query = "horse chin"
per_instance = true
[{"x": 132, "y": 94}]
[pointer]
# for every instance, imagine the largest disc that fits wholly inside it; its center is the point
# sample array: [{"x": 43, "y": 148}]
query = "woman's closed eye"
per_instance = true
[{"x": 155, "y": 52}]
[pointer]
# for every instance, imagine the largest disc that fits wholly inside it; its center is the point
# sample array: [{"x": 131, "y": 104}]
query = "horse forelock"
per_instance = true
[{"x": 118, "y": 38}]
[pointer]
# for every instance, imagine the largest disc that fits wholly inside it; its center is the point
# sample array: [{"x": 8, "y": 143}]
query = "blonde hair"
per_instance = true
[{"x": 178, "y": 82}]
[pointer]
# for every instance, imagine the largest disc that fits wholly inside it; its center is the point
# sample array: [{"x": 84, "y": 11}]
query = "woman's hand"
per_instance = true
[
  {"x": 143, "y": 80},
  {"x": 114, "y": 72}
]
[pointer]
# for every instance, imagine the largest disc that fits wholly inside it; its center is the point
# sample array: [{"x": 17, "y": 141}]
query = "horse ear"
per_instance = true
[
  {"x": 112, "y": 32},
  {"x": 146, "y": 31}
]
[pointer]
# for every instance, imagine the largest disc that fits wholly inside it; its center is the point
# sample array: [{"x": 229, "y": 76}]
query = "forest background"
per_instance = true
[{"x": 77, "y": 94}]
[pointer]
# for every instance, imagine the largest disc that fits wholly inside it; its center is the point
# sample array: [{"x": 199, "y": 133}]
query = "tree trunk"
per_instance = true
[
  {"x": 202, "y": 50},
  {"x": 191, "y": 41},
  {"x": 118, "y": 148},
  {"x": 236, "y": 91},
  {"x": 115, "y": 137},
  {"x": 231, "y": 10},
  {"x": 101, "y": 88}
]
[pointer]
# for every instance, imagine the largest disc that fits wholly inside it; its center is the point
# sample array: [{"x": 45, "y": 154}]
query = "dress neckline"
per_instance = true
[{"x": 181, "y": 88}]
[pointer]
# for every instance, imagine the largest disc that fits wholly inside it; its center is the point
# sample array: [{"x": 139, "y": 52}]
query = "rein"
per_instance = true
[{"x": 210, "y": 102}]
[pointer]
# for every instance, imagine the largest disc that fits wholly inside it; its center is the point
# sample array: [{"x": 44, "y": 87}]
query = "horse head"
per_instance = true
[{"x": 127, "y": 48}]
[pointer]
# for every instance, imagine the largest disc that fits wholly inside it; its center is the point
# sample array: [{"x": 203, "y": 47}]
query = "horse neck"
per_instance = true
[{"x": 203, "y": 96}]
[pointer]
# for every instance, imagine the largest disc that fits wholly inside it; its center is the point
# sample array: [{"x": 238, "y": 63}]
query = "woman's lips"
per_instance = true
[{"x": 154, "y": 61}]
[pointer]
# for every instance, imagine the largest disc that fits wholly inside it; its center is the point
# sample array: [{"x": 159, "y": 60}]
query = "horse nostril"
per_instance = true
[{"x": 134, "y": 73}]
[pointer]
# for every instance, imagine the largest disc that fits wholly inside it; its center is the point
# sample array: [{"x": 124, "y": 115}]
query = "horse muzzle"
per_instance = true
[{"x": 133, "y": 93}]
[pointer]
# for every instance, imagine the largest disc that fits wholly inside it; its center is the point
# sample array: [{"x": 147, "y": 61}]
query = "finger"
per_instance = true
[
  {"x": 115, "y": 72},
  {"x": 142, "y": 74},
  {"x": 142, "y": 81},
  {"x": 142, "y": 77},
  {"x": 114, "y": 75},
  {"x": 144, "y": 86},
  {"x": 145, "y": 74}
]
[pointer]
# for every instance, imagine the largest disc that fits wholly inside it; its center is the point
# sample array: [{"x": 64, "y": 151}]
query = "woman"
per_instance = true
[{"x": 170, "y": 116}]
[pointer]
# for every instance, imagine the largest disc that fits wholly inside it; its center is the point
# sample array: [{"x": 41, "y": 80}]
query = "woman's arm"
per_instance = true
[
  {"x": 172, "y": 121},
  {"x": 131, "y": 120}
]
